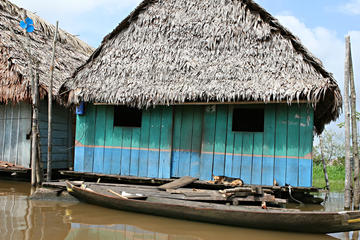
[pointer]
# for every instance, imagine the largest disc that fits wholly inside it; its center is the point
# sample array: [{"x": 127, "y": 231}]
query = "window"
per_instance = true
[
  {"x": 248, "y": 120},
  {"x": 127, "y": 117}
]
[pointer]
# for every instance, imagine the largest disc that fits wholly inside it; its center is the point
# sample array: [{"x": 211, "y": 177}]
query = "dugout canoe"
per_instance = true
[{"x": 242, "y": 216}]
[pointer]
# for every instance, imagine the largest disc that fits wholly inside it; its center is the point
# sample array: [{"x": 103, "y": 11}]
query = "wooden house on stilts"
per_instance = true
[
  {"x": 202, "y": 88},
  {"x": 15, "y": 86}
]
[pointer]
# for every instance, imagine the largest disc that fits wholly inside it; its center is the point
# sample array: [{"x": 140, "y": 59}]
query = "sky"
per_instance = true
[{"x": 321, "y": 25}]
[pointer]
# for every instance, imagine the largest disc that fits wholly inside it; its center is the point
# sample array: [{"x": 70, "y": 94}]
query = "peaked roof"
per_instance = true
[
  {"x": 14, "y": 70},
  {"x": 176, "y": 51}
]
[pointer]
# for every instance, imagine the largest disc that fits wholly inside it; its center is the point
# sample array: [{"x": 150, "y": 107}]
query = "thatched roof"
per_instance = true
[
  {"x": 175, "y": 51},
  {"x": 14, "y": 71}
]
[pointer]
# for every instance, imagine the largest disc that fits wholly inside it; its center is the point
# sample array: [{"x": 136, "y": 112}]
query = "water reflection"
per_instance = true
[{"x": 21, "y": 218}]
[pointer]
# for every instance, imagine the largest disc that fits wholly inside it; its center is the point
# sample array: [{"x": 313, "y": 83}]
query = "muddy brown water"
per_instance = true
[{"x": 21, "y": 218}]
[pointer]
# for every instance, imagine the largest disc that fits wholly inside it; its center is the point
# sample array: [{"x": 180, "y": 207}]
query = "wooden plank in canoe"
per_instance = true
[{"x": 181, "y": 182}]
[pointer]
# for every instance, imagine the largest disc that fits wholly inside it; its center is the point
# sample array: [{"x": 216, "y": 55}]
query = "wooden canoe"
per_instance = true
[{"x": 242, "y": 216}]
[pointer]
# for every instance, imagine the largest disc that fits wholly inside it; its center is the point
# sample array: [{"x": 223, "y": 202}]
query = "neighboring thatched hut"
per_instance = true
[
  {"x": 220, "y": 88},
  {"x": 15, "y": 92}
]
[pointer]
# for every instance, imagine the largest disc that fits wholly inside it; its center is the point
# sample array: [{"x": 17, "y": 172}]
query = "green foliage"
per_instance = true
[
  {"x": 333, "y": 148},
  {"x": 336, "y": 175},
  {"x": 342, "y": 124}
]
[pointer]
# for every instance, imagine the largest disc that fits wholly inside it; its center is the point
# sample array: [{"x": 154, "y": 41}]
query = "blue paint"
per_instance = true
[
  {"x": 256, "y": 170},
  {"x": 246, "y": 169},
  {"x": 206, "y": 166},
  {"x": 98, "y": 160},
  {"x": 115, "y": 160},
  {"x": 280, "y": 170},
  {"x": 305, "y": 172},
  {"x": 219, "y": 165},
  {"x": 292, "y": 170},
  {"x": 79, "y": 159},
  {"x": 125, "y": 162},
  {"x": 268, "y": 171},
  {"x": 175, "y": 160},
  {"x": 164, "y": 168},
  {"x": 184, "y": 164},
  {"x": 107, "y": 161},
  {"x": 236, "y": 167},
  {"x": 195, "y": 165},
  {"x": 88, "y": 159},
  {"x": 153, "y": 163}
]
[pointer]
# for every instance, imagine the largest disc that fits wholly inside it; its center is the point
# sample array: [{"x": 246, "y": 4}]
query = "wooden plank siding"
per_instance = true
[
  {"x": 199, "y": 141},
  {"x": 62, "y": 135},
  {"x": 15, "y": 124}
]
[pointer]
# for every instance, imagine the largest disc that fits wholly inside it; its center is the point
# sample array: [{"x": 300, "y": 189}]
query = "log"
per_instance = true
[{"x": 178, "y": 183}]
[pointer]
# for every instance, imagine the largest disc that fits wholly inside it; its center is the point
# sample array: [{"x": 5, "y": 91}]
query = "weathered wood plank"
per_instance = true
[
  {"x": 305, "y": 146},
  {"x": 117, "y": 151},
  {"x": 144, "y": 143},
  {"x": 256, "y": 172},
  {"x": 269, "y": 145},
  {"x": 154, "y": 143},
  {"x": 89, "y": 137},
  {"x": 109, "y": 127},
  {"x": 166, "y": 142},
  {"x": 247, "y": 149},
  {"x": 175, "y": 158},
  {"x": 99, "y": 139},
  {"x": 220, "y": 140},
  {"x": 196, "y": 141},
  {"x": 185, "y": 142},
  {"x": 280, "y": 144},
  {"x": 230, "y": 136},
  {"x": 126, "y": 150},
  {"x": 292, "y": 161},
  {"x": 178, "y": 183},
  {"x": 237, "y": 159},
  {"x": 207, "y": 149},
  {"x": 135, "y": 152}
]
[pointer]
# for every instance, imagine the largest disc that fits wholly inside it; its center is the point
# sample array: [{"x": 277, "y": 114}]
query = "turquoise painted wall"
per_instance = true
[{"x": 199, "y": 141}]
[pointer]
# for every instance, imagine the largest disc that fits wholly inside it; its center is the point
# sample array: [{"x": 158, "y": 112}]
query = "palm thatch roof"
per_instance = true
[
  {"x": 176, "y": 51},
  {"x": 14, "y": 71}
]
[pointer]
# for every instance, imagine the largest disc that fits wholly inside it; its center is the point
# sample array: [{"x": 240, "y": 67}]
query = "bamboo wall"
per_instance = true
[{"x": 199, "y": 141}]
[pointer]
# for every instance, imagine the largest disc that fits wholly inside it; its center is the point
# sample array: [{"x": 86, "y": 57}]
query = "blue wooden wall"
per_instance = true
[
  {"x": 62, "y": 136},
  {"x": 15, "y": 124},
  {"x": 199, "y": 141}
]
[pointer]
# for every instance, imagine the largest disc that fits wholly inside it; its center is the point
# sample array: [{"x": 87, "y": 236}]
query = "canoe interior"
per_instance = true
[{"x": 243, "y": 216}]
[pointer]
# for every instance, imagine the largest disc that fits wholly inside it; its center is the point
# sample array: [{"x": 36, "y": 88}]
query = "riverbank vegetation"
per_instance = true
[{"x": 333, "y": 152}]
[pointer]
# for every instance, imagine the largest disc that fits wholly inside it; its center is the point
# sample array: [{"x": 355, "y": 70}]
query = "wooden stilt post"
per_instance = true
[
  {"x": 34, "y": 118},
  {"x": 347, "y": 127},
  {"x": 39, "y": 171},
  {"x": 35, "y": 134},
  {"x": 355, "y": 149},
  {"x": 49, "y": 153},
  {"x": 324, "y": 165}
]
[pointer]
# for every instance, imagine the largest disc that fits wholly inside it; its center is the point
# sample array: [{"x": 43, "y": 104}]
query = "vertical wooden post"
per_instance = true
[
  {"x": 354, "y": 132},
  {"x": 324, "y": 165},
  {"x": 347, "y": 126},
  {"x": 34, "y": 131},
  {"x": 39, "y": 171},
  {"x": 49, "y": 153},
  {"x": 34, "y": 117}
]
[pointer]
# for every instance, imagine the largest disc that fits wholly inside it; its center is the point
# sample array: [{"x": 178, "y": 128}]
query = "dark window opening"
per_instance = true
[
  {"x": 127, "y": 117},
  {"x": 248, "y": 120}
]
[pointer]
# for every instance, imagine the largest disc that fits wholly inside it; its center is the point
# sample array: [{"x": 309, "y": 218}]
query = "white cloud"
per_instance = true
[
  {"x": 329, "y": 48},
  {"x": 74, "y": 6},
  {"x": 90, "y": 19},
  {"x": 322, "y": 42},
  {"x": 352, "y": 7}
]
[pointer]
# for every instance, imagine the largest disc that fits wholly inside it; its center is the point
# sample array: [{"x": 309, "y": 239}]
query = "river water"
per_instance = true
[{"x": 21, "y": 218}]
